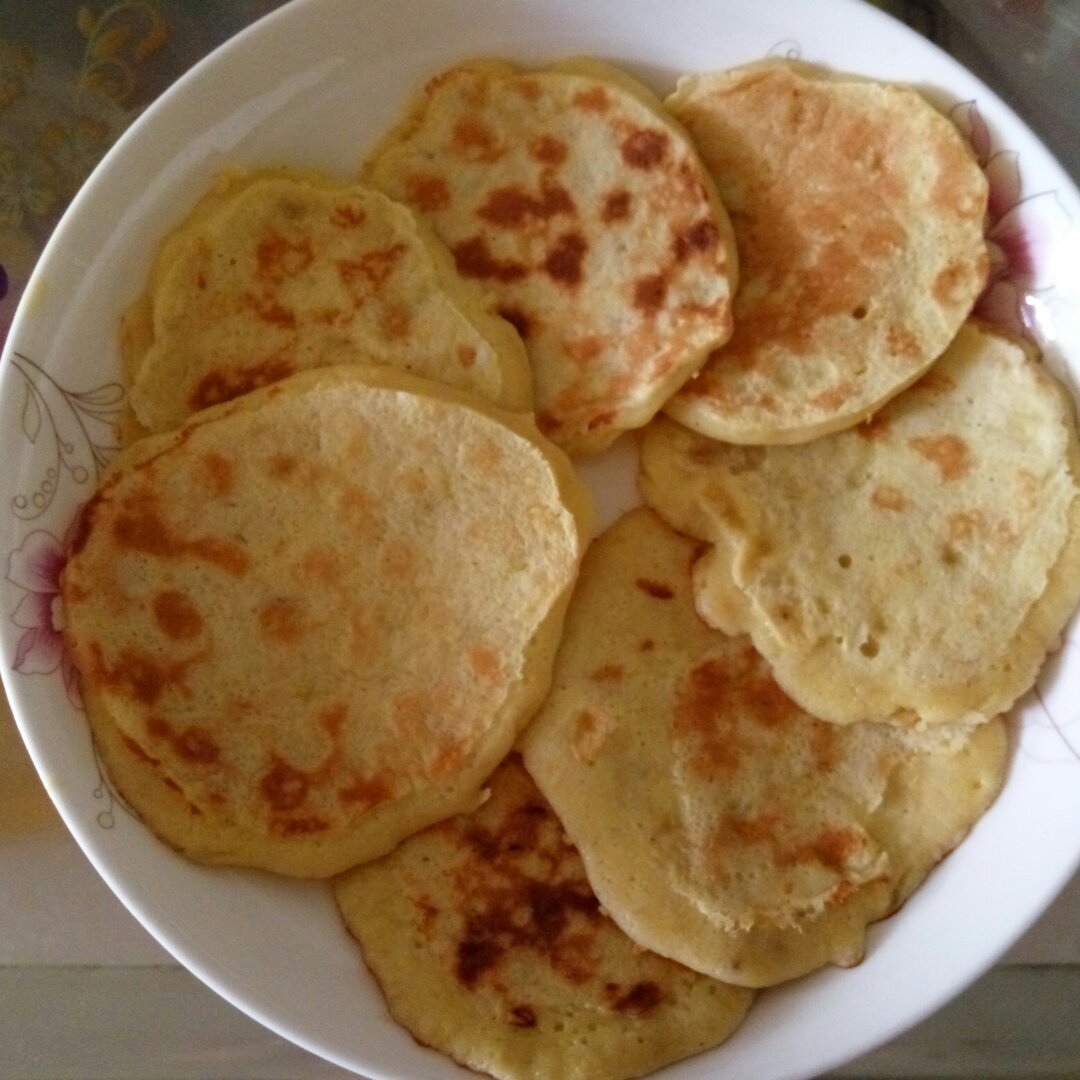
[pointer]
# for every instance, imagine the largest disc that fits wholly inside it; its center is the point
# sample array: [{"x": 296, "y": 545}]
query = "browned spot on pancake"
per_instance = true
[
  {"x": 649, "y": 293},
  {"x": 395, "y": 321},
  {"x": 659, "y": 589},
  {"x": 602, "y": 419},
  {"x": 638, "y": 1000},
  {"x": 823, "y": 746},
  {"x": 279, "y": 466},
  {"x": 474, "y": 259},
  {"x": 304, "y": 826},
  {"x": 370, "y": 272},
  {"x": 608, "y": 673},
  {"x": 515, "y": 207},
  {"x": 195, "y": 744},
  {"x": 523, "y": 1016},
  {"x": 699, "y": 238},
  {"x": 139, "y": 527},
  {"x": 278, "y": 258},
  {"x": 428, "y": 192},
  {"x": 887, "y": 497},
  {"x": 595, "y": 99},
  {"x": 518, "y": 319},
  {"x": 529, "y": 89},
  {"x": 563, "y": 262},
  {"x": 484, "y": 662},
  {"x": 139, "y": 750},
  {"x": 831, "y": 848},
  {"x": 647, "y": 645},
  {"x": 282, "y": 620},
  {"x": 136, "y": 676},
  {"x": 949, "y": 453},
  {"x": 875, "y": 427},
  {"x": 720, "y": 700},
  {"x": 284, "y": 787},
  {"x": 475, "y": 141},
  {"x": 224, "y": 385},
  {"x": 548, "y": 150},
  {"x": 835, "y": 397},
  {"x": 645, "y": 148},
  {"x": 903, "y": 343},
  {"x": 270, "y": 311},
  {"x": 616, "y": 206},
  {"x": 952, "y": 284},
  {"x": 366, "y": 791},
  {"x": 935, "y": 381},
  {"x": 320, "y": 564},
  {"x": 219, "y": 474},
  {"x": 348, "y": 216},
  {"x": 548, "y": 422},
  {"x": 176, "y": 615}
]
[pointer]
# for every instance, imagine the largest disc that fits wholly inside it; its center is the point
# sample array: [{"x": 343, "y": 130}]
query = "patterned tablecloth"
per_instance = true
[{"x": 73, "y": 75}]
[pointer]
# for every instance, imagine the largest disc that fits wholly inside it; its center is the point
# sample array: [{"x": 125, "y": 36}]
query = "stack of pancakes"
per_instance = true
[{"x": 338, "y": 612}]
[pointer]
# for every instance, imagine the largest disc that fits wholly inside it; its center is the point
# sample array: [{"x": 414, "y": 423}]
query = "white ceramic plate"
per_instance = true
[{"x": 312, "y": 85}]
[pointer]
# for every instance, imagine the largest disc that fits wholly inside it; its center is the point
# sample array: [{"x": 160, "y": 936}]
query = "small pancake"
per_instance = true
[
  {"x": 858, "y": 211},
  {"x": 916, "y": 568},
  {"x": 312, "y": 620},
  {"x": 278, "y": 271},
  {"x": 490, "y": 946},
  {"x": 584, "y": 209},
  {"x": 720, "y": 824}
]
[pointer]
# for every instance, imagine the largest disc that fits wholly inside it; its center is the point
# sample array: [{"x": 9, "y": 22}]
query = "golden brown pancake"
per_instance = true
[
  {"x": 277, "y": 271},
  {"x": 489, "y": 945},
  {"x": 312, "y": 620},
  {"x": 573, "y": 197},
  {"x": 719, "y": 823},
  {"x": 858, "y": 212},
  {"x": 916, "y": 568}
]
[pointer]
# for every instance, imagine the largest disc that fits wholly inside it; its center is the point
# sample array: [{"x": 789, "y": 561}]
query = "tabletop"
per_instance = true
[{"x": 85, "y": 992}]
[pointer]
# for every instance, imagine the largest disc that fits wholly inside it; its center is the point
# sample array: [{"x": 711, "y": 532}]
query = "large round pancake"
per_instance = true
[
  {"x": 489, "y": 945},
  {"x": 276, "y": 271},
  {"x": 915, "y": 568},
  {"x": 312, "y": 620},
  {"x": 577, "y": 201},
  {"x": 720, "y": 824},
  {"x": 858, "y": 212}
]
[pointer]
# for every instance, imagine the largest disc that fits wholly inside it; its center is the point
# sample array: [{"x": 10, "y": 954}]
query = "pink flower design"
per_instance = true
[
  {"x": 1017, "y": 230},
  {"x": 35, "y": 567}
]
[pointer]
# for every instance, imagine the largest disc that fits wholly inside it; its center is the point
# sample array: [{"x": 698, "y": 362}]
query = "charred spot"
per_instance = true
[
  {"x": 563, "y": 262},
  {"x": 548, "y": 422},
  {"x": 176, "y": 615},
  {"x": 474, "y": 259},
  {"x": 196, "y": 744},
  {"x": 278, "y": 258},
  {"x": 644, "y": 148},
  {"x": 647, "y": 645},
  {"x": 520, "y": 320},
  {"x": 638, "y": 1000},
  {"x": 475, "y": 141},
  {"x": 83, "y": 524},
  {"x": 548, "y": 150},
  {"x": 427, "y": 192},
  {"x": 658, "y": 589},
  {"x": 649, "y": 293},
  {"x": 523, "y": 1016},
  {"x": 140, "y": 528},
  {"x": 220, "y": 386},
  {"x": 284, "y": 787},
  {"x": 595, "y": 100},
  {"x": 476, "y": 955},
  {"x": 696, "y": 240},
  {"x": 348, "y": 216},
  {"x": 514, "y": 207},
  {"x": 616, "y": 206}
]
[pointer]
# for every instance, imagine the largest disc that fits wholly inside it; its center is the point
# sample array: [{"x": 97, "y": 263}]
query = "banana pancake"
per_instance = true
[
  {"x": 858, "y": 210},
  {"x": 719, "y": 823},
  {"x": 277, "y": 271},
  {"x": 916, "y": 568},
  {"x": 489, "y": 945},
  {"x": 584, "y": 209},
  {"x": 312, "y": 620}
]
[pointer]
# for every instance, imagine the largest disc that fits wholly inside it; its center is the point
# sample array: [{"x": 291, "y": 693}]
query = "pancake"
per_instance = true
[
  {"x": 490, "y": 946},
  {"x": 312, "y": 620},
  {"x": 719, "y": 824},
  {"x": 858, "y": 211},
  {"x": 574, "y": 198},
  {"x": 277, "y": 271},
  {"x": 915, "y": 569}
]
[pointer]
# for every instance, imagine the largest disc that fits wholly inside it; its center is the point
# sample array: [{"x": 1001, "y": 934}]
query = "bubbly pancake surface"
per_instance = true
[
  {"x": 489, "y": 944},
  {"x": 858, "y": 211},
  {"x": 572, "y": 196},
  {"x": 277, "y": 271},
  {"x": 720, "y": 824},
  {"x": 312, "y": 620},
  {"x": 916, "y": 568}
]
